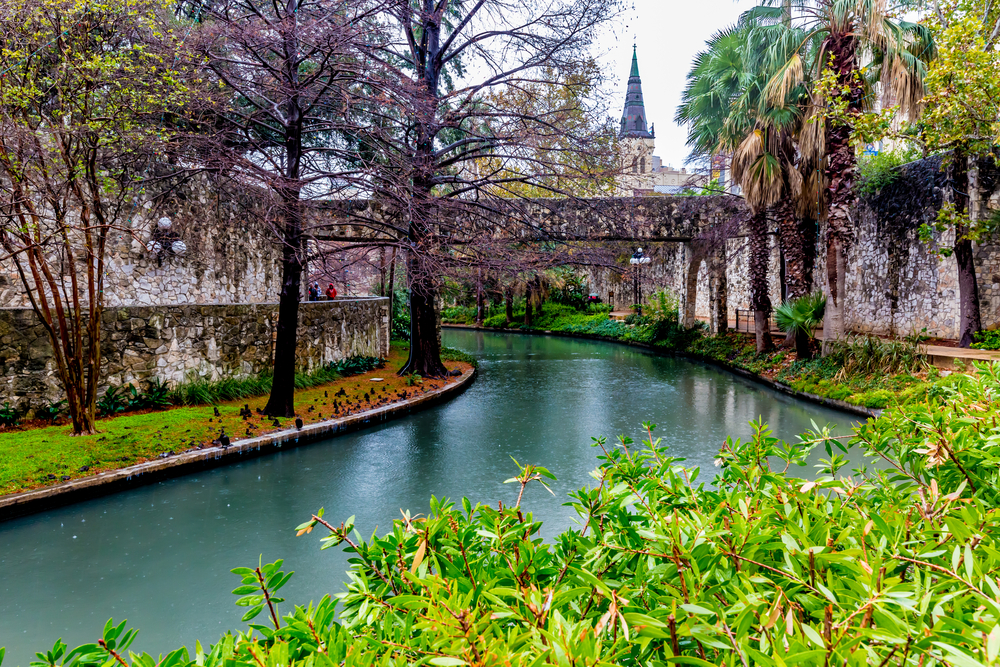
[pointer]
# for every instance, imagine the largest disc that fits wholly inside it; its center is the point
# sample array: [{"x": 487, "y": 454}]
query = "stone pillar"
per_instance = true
[
  {"x": 694, "y": 259},
  {"x": 719, "y": 293}
]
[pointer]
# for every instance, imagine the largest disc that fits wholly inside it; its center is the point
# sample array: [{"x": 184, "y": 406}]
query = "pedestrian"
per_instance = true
[
  {"x": 314, "y": 292},
  {"x": 331, "y": 292}
]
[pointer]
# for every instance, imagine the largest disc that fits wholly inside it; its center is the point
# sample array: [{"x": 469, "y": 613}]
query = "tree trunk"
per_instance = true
[
  {"x": 798, "y": 278},
  {"x": 425, "y": 340},
  {"x": 841, "y": 161},
  {"x": 968, "y": 293},
  {"x": 803, "y": 349},
  {"x": 425, "y": 346},
  {"x": 381, "y": 272},
  {"x": 392, "y": 288},
  {"x": 760, "y": 301},
  {"x": 480, "y": 305},
  {"x": 970, "y": 317},
  {"x": 508, "y": 299},
  {"x": 538, "y": 295},
  {"x": 797, "y": 274},
  {"x": 281, "y": 402},
  {"x": 528, "y": 313}
]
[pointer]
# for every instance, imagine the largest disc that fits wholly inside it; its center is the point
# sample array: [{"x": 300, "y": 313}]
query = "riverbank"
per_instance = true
[
  {"x": 816, "y": 380},
  {"x": 42, "y": 467}
]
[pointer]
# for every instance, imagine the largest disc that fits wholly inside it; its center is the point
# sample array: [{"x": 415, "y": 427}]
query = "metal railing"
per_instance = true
[{"x": 746, "y": 317}]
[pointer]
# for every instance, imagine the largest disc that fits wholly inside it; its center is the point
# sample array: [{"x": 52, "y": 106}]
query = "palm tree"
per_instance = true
[
  {"x": 857, "y": 48},
  {"x": 727, "y": 109},
  {"x": 715, "y": 110}
]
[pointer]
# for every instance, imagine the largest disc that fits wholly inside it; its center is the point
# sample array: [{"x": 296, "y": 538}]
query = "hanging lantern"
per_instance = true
[
  {"x": 178, "y": 247},
  {"x": 155, "y": 248},
  {"x": 163, "y": 223}
]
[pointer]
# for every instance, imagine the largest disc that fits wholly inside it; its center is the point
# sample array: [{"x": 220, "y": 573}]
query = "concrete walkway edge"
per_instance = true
[{"x": 29, "y": 502}]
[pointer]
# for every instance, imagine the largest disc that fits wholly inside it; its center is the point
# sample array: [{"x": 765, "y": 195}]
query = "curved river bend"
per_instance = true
[{"x": 160, "y": 555}]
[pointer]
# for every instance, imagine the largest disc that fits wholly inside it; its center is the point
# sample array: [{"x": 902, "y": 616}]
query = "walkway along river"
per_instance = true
[{"x": 160, "y": 555}]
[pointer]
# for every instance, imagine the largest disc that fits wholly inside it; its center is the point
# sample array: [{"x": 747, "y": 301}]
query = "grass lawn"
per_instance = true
[{"x": 35, "y": 457}]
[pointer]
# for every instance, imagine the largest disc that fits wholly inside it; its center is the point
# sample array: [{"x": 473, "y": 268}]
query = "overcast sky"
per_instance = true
[{"x": 668, "y": 34}]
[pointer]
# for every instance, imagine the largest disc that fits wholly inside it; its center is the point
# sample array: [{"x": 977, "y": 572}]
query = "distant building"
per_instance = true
[{"x": 642, "y": 172}]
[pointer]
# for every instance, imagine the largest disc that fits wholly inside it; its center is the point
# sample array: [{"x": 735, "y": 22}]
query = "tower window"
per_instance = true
[
  {"x": 635, "y": 165},
  {"x": 642, "y": 166}
]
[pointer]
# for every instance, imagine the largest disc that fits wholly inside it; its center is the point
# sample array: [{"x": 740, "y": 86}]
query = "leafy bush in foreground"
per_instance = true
[{"x": 895, "y": 565}]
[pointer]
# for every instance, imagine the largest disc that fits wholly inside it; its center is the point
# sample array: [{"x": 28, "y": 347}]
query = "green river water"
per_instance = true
[{"x": 160, "y": 555}]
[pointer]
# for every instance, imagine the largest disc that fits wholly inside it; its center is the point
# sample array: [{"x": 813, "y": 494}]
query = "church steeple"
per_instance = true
[{"x": 634, "y": 116}]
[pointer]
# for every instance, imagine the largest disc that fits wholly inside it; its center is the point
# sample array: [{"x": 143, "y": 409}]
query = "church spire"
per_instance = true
[{"x": 634, "y": 116}]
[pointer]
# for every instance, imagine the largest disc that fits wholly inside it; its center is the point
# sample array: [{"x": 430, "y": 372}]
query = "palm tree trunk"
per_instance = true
[
  {"x": 798, "y": 266},
  {"x": 760, "y": 257},
  {"x": 798, "y": 278},
  {"x": 841, "y": 161}
]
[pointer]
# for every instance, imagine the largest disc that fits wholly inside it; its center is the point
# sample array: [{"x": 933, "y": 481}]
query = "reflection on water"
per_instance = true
[{"x": 160, "y": 555}]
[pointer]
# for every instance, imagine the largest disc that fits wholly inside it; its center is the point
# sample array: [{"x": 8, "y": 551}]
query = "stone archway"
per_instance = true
[{"x": 712, "y": 253}]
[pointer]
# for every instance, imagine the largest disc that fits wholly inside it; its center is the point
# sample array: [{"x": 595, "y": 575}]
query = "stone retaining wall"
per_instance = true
[
  {"x": 176, "y": 343},
  {"x": 232, "y": 254}
]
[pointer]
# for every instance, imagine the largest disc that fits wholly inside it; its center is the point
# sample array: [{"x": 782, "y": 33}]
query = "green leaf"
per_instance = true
[
  {"x": 696, "y": 609},
  {"x": 252, "y": 613},
  {"x": 814, "y": 636},
  {"x": 689, "y": 660}
]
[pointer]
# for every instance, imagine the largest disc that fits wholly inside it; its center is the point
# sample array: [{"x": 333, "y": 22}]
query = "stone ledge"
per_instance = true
[{"x": 16, "y": 505}]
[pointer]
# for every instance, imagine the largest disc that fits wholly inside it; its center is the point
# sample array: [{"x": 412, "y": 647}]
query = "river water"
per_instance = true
[{"x": 160, "y": 555}]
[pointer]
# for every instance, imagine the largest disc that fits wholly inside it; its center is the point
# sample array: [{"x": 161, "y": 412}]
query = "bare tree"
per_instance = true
[
  {"x": 472, "y": 107},
  {"x": 82, "y": 101},
  {"x": 285, "y": 70}
]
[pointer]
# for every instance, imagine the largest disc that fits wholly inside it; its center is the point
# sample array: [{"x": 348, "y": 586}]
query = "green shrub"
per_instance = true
[
  {"x": 198, "y": 391},
  {"x": 882, "y": 169},
  {"x": 9, "y": 416},
  {"x": 459, "y": 315},
  {"x": 891, "y": 565},
  {"x": 114, "y": 401},
  {"x": 51, "y": 410},
  {"x": 451, "y": 354},
  {"x": 496, "y": 321},
  {"x": 987, "y": 340},
  {"x": 865, "y": 355},
  {"x": 400, "y": 320},
  {"x": 801, "y": 315},
  {"x": 840, "y": 393}
]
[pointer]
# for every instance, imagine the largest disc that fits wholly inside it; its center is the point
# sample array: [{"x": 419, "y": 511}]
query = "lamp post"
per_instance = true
[
  {"x": 637, "y": 260},
  {"x": 165, "y": 241}
]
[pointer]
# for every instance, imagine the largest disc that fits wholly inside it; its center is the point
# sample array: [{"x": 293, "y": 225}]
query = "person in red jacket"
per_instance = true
[{"x": 331, "y": 292}]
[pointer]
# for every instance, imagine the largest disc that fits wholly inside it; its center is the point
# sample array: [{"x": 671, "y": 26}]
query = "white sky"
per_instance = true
[{"x": 668, "y": 34}]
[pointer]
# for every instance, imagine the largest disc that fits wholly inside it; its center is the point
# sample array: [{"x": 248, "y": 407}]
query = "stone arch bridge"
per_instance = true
[{"x": 693, "y": 240}]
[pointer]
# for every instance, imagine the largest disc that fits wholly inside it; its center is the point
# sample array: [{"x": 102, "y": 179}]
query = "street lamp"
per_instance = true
[
  {"x": 637, "y": 260},
  {"x": 165, "y": 241}
]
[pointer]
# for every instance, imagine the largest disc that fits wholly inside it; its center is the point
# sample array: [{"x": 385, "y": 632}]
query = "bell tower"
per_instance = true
[
  {"x": 637, "y": 139},
  {"x": 634, "y": 116}
]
